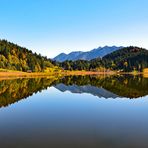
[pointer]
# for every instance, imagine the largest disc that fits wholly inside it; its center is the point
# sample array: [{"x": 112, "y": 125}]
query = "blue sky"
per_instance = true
[{"x": 50, "y": 27}]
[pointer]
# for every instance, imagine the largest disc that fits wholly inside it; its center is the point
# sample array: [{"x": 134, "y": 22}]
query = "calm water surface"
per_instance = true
[{"x": 74, "y": 112}]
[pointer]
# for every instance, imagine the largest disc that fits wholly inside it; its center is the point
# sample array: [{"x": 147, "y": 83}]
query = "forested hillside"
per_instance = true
[
  {"x": 14, "y": 57},
  {"x": 126, "y": 59}
]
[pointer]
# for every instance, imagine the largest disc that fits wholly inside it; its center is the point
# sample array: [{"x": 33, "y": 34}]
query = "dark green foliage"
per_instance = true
[
  {"x": 14, "y": 57},
  {"x": 75, "y": 65},
  {"x": 128, "y": 59}
]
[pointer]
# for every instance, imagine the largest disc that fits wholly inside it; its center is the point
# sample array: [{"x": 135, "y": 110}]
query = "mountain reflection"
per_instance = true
[
  {"x": 100, "y": 92},
  {"x": 114, "y": 86},
  {"x": 127, "y": 86}
]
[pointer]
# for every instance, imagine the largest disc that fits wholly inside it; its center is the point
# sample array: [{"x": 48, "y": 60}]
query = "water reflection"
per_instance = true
[
  {"x": 128, "y": 86},
  {"x": 79, "y": 120},
  {"x": 114, "y": 86}
]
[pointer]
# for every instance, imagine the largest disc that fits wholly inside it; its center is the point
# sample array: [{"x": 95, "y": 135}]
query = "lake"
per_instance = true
[{"x": 74, "y": 112}]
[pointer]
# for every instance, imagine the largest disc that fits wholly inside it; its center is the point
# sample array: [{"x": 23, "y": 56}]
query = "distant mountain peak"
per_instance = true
[
  {"x": 62, "y": 54},
  {"x": 89, "y": 55}
]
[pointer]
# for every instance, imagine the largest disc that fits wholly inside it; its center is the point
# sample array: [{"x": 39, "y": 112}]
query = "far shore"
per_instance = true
[
  {"x": 24, "y": 74},
  {"x": 64, "y": 73},
  {"x": 101, "y": 73}
]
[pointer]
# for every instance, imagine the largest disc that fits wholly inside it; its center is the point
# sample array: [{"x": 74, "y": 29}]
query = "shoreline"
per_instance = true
[
  {"x": 25, "y": 74},
  {"x": 103, "y": 73},
  {"x": 66, "y": 73}
]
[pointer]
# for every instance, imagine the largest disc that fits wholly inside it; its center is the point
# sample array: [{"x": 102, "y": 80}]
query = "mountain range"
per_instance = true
[{"x": 89, "y": 55}]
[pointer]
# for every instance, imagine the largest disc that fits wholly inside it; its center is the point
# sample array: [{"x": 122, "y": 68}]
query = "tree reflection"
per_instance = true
[
  {"x": 114, "y": 86},
  {"x": 12, "y": 91}
]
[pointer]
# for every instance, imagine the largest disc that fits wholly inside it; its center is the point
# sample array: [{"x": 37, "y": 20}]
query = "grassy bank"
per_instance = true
[
  {"x": 87, "y": 73},
  {"x": 102, "y": 73},
  {"x": 9, "y": 73}
]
